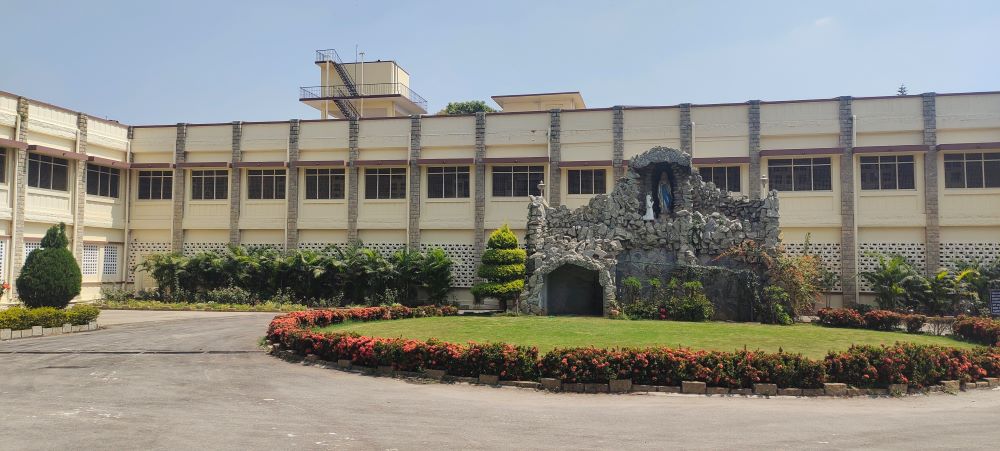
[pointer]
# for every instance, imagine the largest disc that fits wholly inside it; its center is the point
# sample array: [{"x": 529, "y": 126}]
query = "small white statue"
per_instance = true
[{"x": 649, "y": 209}]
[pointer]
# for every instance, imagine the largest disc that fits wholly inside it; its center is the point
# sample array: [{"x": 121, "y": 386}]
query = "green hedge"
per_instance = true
[{"x": 20, "y": 318}]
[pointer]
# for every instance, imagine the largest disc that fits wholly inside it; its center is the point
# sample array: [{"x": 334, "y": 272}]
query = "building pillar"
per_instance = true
[
  {"x": 687, "y": 129},
  {"x": 931, "y": 199},
  {"x": 753, "y": 122},
  {"x": 235, "y": 185},
  {"x": 555, "y": 157},
  {"x": 618, "y": 141},
  {"x": 848, "y": 225},
  {"x": 21, "y": 185},
  {"x": 177, "y": 223},
  {"x": 479, "y": 244},
  {"x": 352, "y": 182},
  {"x": 80, "y": 189},
  {"x": 292, "y": 190},
  {"x": 413, "y": 232}
]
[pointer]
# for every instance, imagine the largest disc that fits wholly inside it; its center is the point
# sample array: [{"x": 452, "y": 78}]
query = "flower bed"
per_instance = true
[
  {"x": 984, "y": 331},
  {"x": 136, "y": 304},
  {"x": 862, "y": 366}
]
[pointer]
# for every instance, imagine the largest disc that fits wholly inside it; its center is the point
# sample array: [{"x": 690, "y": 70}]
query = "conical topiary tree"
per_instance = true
[
  {"x": 502, "y": 267},
  {"x": 50, "y": 276}
]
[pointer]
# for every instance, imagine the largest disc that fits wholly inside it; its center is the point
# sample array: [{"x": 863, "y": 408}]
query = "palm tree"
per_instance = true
[{"x": 896, "y": 283}]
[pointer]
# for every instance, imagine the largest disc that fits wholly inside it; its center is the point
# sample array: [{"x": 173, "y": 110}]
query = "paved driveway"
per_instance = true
[{"x": 198, "y": 381}]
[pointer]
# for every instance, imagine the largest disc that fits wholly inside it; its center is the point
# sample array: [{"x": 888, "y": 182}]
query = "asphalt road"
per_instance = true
[{"x": 198, "y": 381}]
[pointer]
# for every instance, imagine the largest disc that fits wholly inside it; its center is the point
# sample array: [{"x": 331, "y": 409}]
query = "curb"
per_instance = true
[
  {"x": 625, "y": 386},
  {"x": 39, "y": 331}
]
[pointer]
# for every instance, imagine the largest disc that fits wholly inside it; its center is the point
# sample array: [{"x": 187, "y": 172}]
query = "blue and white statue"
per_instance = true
[{"x": 666, "y": 201}]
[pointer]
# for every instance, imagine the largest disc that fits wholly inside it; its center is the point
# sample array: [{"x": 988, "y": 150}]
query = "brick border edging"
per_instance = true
[
  {"x": 625, "y": 386},
  {"x": 39, "y": 331}
]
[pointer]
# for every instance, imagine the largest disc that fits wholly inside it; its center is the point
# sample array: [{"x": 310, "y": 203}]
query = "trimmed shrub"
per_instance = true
[
  {"x": 231, "y": 295},
  {"x": 15, "y": 318},
  {"x": 980, "y": 330},
  {"x": 50, "y": 276},
  {"x": 81, "y": 314},
  {"x": 841, "y": 317},
  {"x": 689, "y": 303},
  {"x": 883, "y": 320},
  {"x": 906, "y": 363},
  {"x": 914, "y": 323},
  {"x": 505, "y": 277}
]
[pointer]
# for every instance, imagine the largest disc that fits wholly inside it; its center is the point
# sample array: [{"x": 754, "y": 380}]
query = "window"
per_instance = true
[
  {"x": 385, "y": 183},
  {"x": 209, "y": 185},
  {"x": 3, "y": 166},
  {"x": 726, "y": 178},
  {"x": 110, "y": 260},
  {"x": 266, "y": 184},
  {"x": 155, "y": 185},
  {"x": 448, "y": 182},
  {"x": 972, "y": 170},
  {"x": 47, "y": 172},
  {"x": 516, "y": 181},
  {"x": 324, "y": 183},
  {"x": 800, "y": 174},
  {"x": 887, "y": 172},
  {"x": 102, "y": 181},
  {"x": 90, "y": 254},
  {"x": 587, "y": 181}
]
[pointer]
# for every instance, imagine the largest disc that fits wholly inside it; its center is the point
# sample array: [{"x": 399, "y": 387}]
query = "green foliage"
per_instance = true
[
  {"x": 776, "y": 300},
  {"x": 503, "y": 268},
  {"x": 242, "y": 276},
  {"x": 987, "y": 275},
  {"x": 435, "y": 273},
  {"x": 20, "y": 318},
  {"x": 467, "y": 107},
  {"x": 949, "y": 291},
  {"x": 689, "y": 303},
  {"x": 50, "y": 276},
  {"x": 896, "y": 283}
]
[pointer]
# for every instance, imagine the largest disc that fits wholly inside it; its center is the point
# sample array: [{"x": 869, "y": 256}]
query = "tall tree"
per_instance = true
[
  {"x": 467, "y": 107},
  {"x": 901, "y": 91}
]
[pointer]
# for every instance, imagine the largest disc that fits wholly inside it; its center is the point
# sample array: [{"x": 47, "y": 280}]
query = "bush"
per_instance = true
[
  {"x": 81, "y": 314},
  {"x": 15, "y": 318},
  {"x": 20, "y": 318},
  {"x": 914, "y": 323},
  {"x": 689, "y": 303},
  {"x": 50, "y": 276},
  {"x": 980, "y": 330},
  {"x": 231, "y": 295},
  {"x": 505, "y": 276},
  {"x": 883, "y": 320},
  {"x": 905, "y": 363},
  {"x": 842, "y": 317}
]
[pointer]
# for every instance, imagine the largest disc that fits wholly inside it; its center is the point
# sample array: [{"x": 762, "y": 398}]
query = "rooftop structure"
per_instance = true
[{"x": 361, "y": 89}]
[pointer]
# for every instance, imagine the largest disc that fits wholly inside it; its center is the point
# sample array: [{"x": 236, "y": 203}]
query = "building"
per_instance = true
[{"x": 917, "y": 175}]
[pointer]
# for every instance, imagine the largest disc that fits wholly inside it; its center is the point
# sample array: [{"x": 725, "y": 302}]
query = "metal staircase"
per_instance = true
[{"x": 349, "y": 89}]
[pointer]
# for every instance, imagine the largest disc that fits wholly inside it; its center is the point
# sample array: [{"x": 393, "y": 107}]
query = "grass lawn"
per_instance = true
[{"x": 550, "y": 332}]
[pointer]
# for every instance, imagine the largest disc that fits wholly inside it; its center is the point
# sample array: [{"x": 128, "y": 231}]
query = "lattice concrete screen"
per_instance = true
[
  {"x": 828, "y": 253},
  {"x": 958, "y": 252},
  {"x": 90, "y": 255},
  {"x": 914, "y": 253},
  {"x": 138, "y": 250},
  {"x": 464, "y": 261},
  {"x": 111, "y": 260}
]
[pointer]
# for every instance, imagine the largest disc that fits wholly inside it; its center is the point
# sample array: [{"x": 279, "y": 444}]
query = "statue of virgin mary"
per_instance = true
[{"x": 663, "y": 190}]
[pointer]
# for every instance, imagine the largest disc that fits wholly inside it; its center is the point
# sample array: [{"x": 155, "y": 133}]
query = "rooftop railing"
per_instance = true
[
  {"x": 366, "y": 90},
  {"x": 328, "y": 55}
]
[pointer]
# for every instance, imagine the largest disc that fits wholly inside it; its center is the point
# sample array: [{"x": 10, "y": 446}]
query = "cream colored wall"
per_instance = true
[
  {"x": 799, "y": 125},
  {"x": 578, "y": 200},
  {"x": 810, "y": 208},
  {"x": 647, "y": 128},
  {"x": 720, "y": 131},
  {"x": 968, "y": 118},
  {"x": 321, "y": 214},
  {"x": 512, "y": 211},
  {"x": 586, "y": 135},
  {"x": 458, "y": 213},
  {"x": 381, "y": 214}
]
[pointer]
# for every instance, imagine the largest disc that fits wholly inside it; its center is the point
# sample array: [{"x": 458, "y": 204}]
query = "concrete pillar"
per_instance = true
[
  {"x": 352, "y": 181},
  {"x": 479, "y": 244},
  {"x": 848, "y": 226},
  {"x": 20, "y": 183},
  {"x": 292, "y": 188},
  {"x": 555, "y": 157},
  {"x": 753, "y": 121},
  {"x": 80, "y": 190},
  {"x": 931, "y": 199},
  {"x": 177, "y": 225},
  {"x": 413, "y": 235},
  {"x": 235, "y": 185},
  {"x": 618, "y": 141},
  {"x": 687, "y": 129}
]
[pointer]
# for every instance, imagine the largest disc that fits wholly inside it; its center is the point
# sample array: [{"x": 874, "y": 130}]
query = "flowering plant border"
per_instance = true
[{"x": 917, "y": 366}]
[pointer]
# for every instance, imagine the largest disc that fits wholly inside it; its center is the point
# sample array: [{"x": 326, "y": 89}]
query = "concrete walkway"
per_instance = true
[{"x": 182, "y": 380}]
